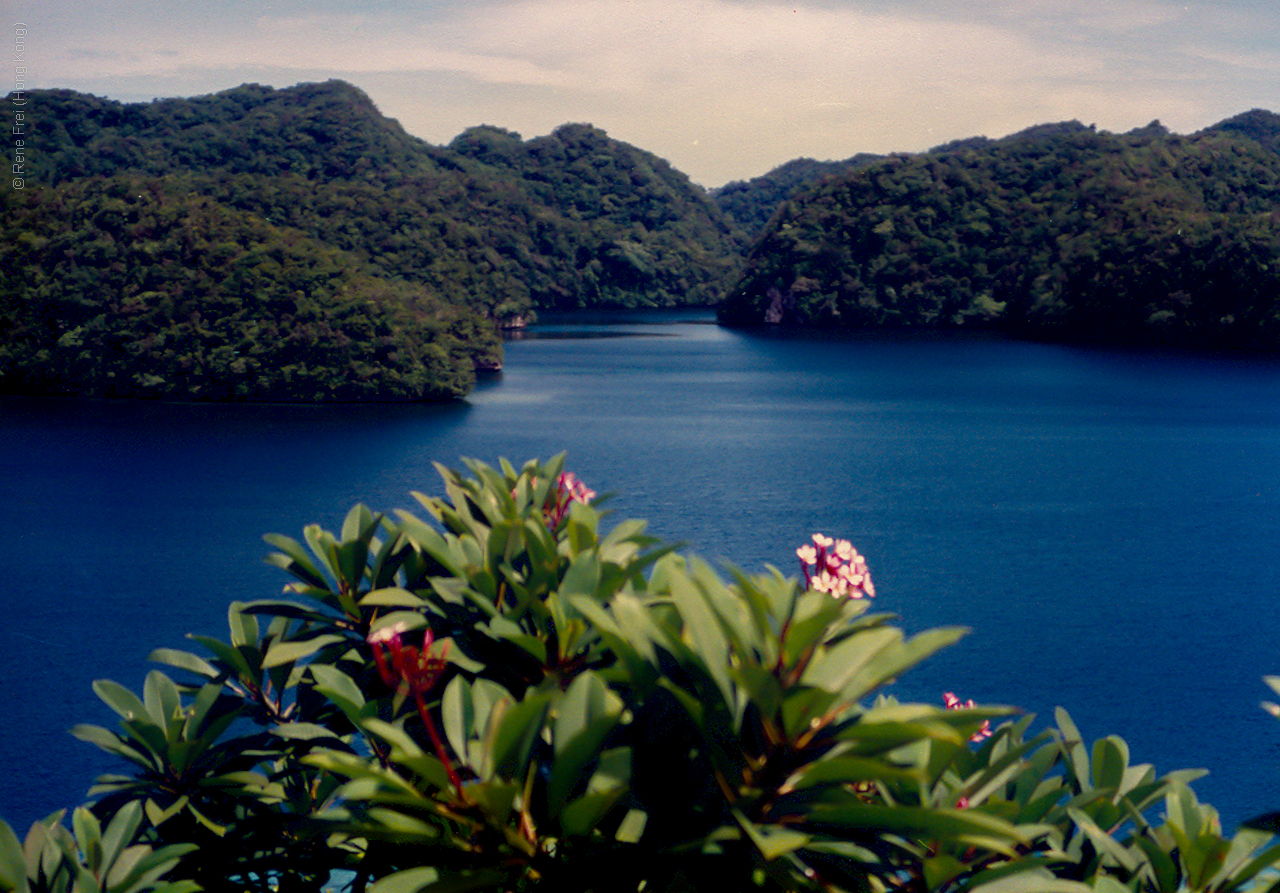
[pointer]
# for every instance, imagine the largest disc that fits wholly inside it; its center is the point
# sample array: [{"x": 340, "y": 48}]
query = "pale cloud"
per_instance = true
[{"x": 722, "y": 88}]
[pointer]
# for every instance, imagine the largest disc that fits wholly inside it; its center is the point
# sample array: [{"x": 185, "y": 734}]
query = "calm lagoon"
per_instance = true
[{"x": 1106, "y": 521}]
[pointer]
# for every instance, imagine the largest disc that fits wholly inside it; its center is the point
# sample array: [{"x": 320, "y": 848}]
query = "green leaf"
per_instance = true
[
  {"x": 517, "y": 730},
  {"x": 428, "y": 880},
  {"x": 243, "y": 627},
  {"x": 294, "y": 559},
  {"x": 392, "y": 597},
  {"x": 184, "y": 660},
  {"x": 88, "y": 837},
  {"x": 847, "y": 770},
  {"x": 121, "y": 830},
  {"x": 770, "y": 840},
  {"x": 581, "y": 817},
  {"x": 292, "y": 610},
  {"x": 704, "y": 629},
  {"x": 801, "y": 706},
  {"x": 228, "y": 654},
  {"x": 1245, "y": 870},
  {"x": 13, "y": 864},
  {"x": 104, "y": 738},
  {"x": 158, "y": 815},
  {"x": 163, "y": 702},
  {"x": 969, "y": 826},
  {"x": 1035, "y": 880},
  {"x": 585, "y": 716},
  {"x": 898, "y": 657},
  {"x": 1074, "y": 749},
  {"x": 457, "y": 711},
  {"x": 1110, "y": 761},
  {"x": 635, "y": 623},
  {"x": 1161, "y": 863},
  {"x": 359, "y": 523},
  {"x": 139, "y": 868},
  {"x": 1103, "y": 842},
  {"x": 763, "y": 687},
  {"x": 496, "y": 798},
  {"x": 631, "y": 829},
  {"x": 304, "y": 731},
  {"x": 340, "y": 689},
  {"x": 119, "y": 699},
  {"x": 410, "y": 881},
  {"x": 280, "y": 653}
]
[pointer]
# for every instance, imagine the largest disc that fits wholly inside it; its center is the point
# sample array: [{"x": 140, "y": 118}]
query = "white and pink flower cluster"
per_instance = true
[
  {"x": 954, "y": 703},
  {"x": 834, "y": 566}
]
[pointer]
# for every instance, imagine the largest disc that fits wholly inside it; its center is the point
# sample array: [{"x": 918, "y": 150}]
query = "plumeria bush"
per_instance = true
[{"x": 502, "y": 696}]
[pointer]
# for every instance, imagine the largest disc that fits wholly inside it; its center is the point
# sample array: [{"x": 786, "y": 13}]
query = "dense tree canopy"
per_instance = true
[
  {"x": 296, "y": 244},
  {"x": 1059, "y": 231},
  {"x": 748, "y": 205},
  {"x": 142, "y": 287}
]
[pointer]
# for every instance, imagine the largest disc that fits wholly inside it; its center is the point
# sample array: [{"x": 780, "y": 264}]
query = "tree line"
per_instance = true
[
  {"x": 1057, "y": 232},
  {"x": 295, "y": 244},
  {"x": 262, "y": 244}
]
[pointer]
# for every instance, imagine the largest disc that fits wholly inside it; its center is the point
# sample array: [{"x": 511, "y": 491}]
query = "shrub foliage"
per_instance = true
[{"x": 501, "y": 695}]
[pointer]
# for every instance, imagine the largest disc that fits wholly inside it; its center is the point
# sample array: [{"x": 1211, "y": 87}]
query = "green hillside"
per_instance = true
[
  {"x": 1059, "y": 231},
  {"x": 748, "y": 205},
  {"x": 327, "y": 254},
  {"x": 137, "y": 287},
  {"x": 263, "y": 244}
]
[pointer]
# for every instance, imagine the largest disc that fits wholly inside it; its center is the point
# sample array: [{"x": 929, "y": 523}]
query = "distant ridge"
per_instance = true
[
  {"x": 1058, "y": 231},
  {"x": 169, "y": 249},
  {"x": 1256, "y": 124},
  {"x": 296, "y": 244}
]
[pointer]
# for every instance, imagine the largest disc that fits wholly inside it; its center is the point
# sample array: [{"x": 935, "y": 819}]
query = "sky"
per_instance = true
[{"x": 723, "y": 89}]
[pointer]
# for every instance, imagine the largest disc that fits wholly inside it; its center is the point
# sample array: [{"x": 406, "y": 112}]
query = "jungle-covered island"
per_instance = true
[
  {"x": 263, "y": 244},
  {"x": 1060, "y": 232},
  {"x": 297, "y": 245}
]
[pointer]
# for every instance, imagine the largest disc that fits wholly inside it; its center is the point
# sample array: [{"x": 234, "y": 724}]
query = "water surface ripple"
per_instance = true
[{"x": 1105, "y": 520}]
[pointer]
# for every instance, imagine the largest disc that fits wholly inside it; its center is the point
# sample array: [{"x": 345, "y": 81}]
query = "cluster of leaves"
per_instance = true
[
  {"x": 271, "y": 209},
  {"x": 614, "y": 716},
  {"x": 89, "y": 858},
  {"x": 1060, "y": 231}
]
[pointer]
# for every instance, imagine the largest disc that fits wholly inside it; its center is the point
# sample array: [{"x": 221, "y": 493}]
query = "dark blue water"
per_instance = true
[{"x": 1107, "y": 522}]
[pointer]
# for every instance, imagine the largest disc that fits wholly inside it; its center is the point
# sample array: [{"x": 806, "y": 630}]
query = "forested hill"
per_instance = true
[
  {"x": 749, "y": 204},
  {"x": 1060, "y": 231},
  {"x": 262, "y": 244}
]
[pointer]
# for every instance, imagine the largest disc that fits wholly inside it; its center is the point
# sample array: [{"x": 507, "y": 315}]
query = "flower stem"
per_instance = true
[{"x": 438, "y": 743}]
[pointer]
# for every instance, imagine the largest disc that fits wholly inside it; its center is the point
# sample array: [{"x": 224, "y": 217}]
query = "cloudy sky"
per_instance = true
[{"x": 723, "y": 89}]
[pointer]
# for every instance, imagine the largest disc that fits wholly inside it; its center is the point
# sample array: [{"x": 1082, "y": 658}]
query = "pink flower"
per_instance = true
[
  {"x": 954, "y": 703},
  {"x": 568, "y": 491},
  {"x": 835, "y": 567},
  {"x": 416, "y": 669}
]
